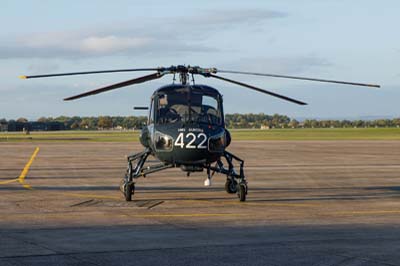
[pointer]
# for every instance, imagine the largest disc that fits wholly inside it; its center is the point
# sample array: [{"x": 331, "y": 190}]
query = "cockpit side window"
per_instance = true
[{"x": 151, "y": 112}]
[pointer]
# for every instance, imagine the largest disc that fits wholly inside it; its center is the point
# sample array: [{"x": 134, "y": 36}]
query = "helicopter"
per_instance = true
[{"x": 186, "y": 126}]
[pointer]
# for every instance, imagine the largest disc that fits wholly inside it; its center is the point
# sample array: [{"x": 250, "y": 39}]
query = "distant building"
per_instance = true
[
  {"x": 3, "y": 126},
  {"x": 35, "y": 126},
  {"x": 45, "y": 126}
]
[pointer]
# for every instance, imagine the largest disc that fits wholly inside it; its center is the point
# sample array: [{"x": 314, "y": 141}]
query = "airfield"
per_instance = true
[{"x": 310, "y": 202}]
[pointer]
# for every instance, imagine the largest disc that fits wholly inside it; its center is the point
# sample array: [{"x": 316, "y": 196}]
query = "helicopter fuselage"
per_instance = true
[{"x": 186, "y": 126}]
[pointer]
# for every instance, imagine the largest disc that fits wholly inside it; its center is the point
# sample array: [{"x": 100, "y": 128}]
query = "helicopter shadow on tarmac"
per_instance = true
[{"x": 259, "y": 194}]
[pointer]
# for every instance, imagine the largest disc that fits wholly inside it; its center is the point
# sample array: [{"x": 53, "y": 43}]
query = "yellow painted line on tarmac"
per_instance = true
[
  {"x": 368, "y": 212},
  {"x": 286, "y": 204},
  {"x": 21, "y": 178},
  {"x": 8, "y": 181},
  {"x": 263, "y": 204},
  {"x": 249, "y": 202},
  {"x": 188, "y": 215}
]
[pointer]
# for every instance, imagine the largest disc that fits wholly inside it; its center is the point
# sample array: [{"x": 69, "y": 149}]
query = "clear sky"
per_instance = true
[{"x": 332, "y": 39}]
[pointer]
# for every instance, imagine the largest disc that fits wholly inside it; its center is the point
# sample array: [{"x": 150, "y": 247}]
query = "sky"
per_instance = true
[{"x": 330, "y": 39}]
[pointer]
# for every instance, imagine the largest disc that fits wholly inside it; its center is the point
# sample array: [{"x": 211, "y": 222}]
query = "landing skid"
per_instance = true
[
  {"x": 135, "y": 170},
  {"x": 235, "y": 183}
]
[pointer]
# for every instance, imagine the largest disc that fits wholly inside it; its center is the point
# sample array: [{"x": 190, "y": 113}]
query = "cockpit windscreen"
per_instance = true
[{"x": 182, "y": 106}]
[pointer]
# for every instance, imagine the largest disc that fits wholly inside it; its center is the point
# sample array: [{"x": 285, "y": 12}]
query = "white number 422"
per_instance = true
[{"x": 192, "y": 139}]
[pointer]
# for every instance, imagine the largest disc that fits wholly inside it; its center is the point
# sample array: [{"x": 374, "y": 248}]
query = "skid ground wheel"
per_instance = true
[
  {"x": 129, "y": 191},
  {"x": 230, "y": 186},
  {"x": 242, "y": 191}
]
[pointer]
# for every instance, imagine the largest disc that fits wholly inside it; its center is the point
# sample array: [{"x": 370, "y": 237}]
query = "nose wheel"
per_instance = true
[
  {"x": 127, "y": 188},
  {"x": 235, "y": 182},
  {"x": 242, "y": 191},
  {"x": 231, "y": 186},
  {"x": 129, "y": 191}
]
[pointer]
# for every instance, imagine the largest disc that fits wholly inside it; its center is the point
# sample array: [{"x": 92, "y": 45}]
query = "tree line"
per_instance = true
[
  {"x": 263, "y": 121},
  {"x": 283, "y": 121},
  {"x": 77, "y": 122}
]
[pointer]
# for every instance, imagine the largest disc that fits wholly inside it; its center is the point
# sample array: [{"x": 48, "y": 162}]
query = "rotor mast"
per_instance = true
[{"x": 183, "y": 74}]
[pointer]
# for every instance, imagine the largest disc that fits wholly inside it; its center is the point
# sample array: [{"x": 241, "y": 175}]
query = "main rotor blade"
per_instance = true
[
  {"x": 301, "y": 78},
  {"x": 116, "y": 86},
  {"x": 89, "y": 72},
  {"x": 258, "y": 89}
]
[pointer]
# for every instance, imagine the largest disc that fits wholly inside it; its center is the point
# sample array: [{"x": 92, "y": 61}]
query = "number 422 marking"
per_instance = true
[{"x": 192, "y": 138}]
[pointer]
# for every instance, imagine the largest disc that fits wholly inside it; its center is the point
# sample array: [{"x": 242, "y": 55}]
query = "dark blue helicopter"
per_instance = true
[{"x": 186, "y": 126}]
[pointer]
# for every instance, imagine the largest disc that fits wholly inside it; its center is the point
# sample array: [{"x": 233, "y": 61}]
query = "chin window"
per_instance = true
[
  {"x": 216, "y": 143},
  {"x": 163, "y": 142}
]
